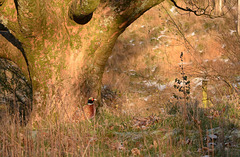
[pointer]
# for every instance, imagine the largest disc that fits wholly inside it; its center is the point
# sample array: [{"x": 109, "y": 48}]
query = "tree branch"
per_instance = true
[
  {"x": 115, "y": 16},
  {"x": 199, "y": 11},
  {"x": 129, "y": 11}
]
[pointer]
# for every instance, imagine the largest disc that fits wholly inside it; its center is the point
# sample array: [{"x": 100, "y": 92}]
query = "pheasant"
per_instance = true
[{"x": 86, "y": 112}]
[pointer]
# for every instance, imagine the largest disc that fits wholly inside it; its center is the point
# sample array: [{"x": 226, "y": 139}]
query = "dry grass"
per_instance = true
[{"x": 125, "y": 134}]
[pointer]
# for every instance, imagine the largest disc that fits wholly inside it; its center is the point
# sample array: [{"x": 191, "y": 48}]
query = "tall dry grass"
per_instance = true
[{"x": 114, "y": 133}]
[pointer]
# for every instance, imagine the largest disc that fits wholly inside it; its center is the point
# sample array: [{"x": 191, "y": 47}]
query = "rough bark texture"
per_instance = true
[{"x": 67, "y": 43}]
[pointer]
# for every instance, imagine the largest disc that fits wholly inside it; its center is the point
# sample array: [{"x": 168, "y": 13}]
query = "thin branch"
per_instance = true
[
  {"x": 184, "y": 38},
  {"x": 200, "y": 11}
]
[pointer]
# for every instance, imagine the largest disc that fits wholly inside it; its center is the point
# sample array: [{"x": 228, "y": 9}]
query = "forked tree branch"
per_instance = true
[{"x": 199, "y": 11}]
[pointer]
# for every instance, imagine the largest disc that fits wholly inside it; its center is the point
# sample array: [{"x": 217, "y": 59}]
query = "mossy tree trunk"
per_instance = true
[{"x": 67, "y": 43}]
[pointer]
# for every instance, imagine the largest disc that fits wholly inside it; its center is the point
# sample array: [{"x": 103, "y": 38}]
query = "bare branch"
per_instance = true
[{"x": 197, "y": 10}]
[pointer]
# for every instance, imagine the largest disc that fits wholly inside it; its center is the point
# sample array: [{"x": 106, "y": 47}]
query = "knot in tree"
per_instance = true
[{"x": 81, "y": 11}]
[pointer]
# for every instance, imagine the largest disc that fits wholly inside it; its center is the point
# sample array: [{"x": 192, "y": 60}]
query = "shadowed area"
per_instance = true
[
  {"x": 83, "y": 19},
  {"x": 15, "y": 90}
]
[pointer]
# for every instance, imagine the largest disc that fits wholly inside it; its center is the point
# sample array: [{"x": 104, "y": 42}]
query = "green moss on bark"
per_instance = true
[
  {"x": 82, "y": 11},
  {"x": 84, "y": 7}
]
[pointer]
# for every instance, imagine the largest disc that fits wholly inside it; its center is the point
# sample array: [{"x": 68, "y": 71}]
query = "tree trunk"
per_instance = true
[{"x": 66, "y": 44}]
